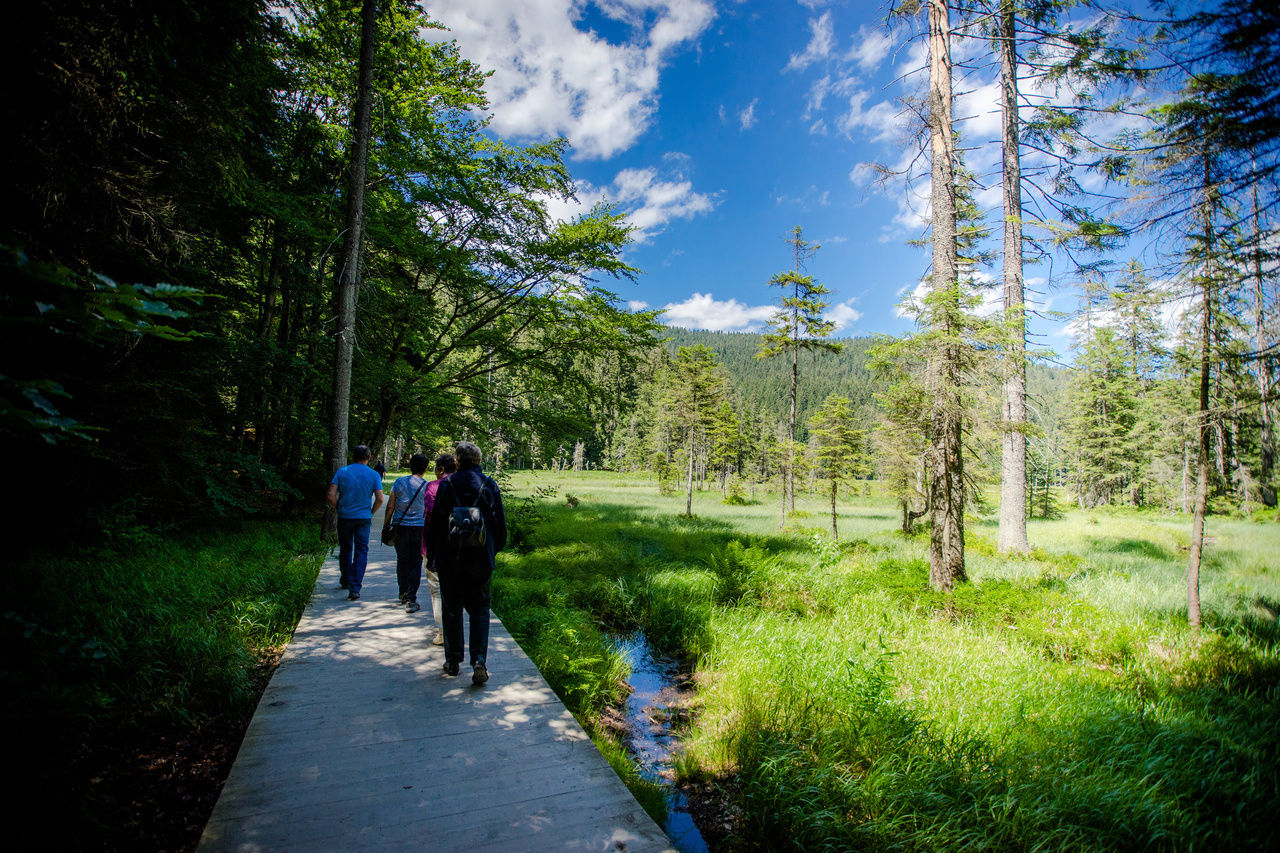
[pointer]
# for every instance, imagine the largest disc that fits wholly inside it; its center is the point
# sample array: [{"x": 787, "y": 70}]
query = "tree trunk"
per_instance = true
[
  {"x": 834, "y": 532},
  {"x": 946, "y": 487},
  {"x": 1202, "y": 467},
  {"x": 1203, "y": 423},
  {"x": 1266, "y": 437},
  {"x": 348, "y": 284},
  {"x": 791, "y": 429},
  {"x": 688, "y": 498},
  {"x": 1013, "y": 468}
]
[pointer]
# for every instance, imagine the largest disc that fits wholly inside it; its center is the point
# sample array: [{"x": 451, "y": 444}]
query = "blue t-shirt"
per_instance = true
[
  {"x": 404, "y": 490},
  {"x": 356, "y": 484}
]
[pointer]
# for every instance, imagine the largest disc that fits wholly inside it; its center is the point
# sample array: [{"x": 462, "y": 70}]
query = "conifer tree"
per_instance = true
[
  {"x": 797, "y": 325},
  {"x": 694, "y": 393},
  {"x": 841, "y": 448}
]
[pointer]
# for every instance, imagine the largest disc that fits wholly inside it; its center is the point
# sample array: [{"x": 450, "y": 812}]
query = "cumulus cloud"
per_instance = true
[
  {"x": 747, "y": 118},
  {"x": 704, "y": 311},
  {"x": 551, "y": 78},
  {"x": 844, "y": 315},
  {"x": 637, "y": 305},
  {"x": 821, "y": 40},
  {"x": 649, "y": 199}
]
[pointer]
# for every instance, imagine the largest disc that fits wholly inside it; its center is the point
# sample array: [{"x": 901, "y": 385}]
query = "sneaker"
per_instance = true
[
  {"x": 480, "y": 675},
  {"x": 353, "y": 596},
  {"x": 342, "y": 585},
  {"x": 411, "y": 606},
  {"x": 403, "y": 598},
  {"x": 439, "y": 639},
  {"x": 451, "y": 667}
]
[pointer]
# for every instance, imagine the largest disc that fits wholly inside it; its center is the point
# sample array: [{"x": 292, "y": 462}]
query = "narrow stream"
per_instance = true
[{"x": 651, "y": 741}]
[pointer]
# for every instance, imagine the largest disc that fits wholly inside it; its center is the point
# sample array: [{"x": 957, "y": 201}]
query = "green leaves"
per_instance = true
[{"x": 45, "y": 306}]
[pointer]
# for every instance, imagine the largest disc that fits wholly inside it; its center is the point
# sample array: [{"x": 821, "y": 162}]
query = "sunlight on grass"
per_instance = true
[{"x": 1058, "y": 701}]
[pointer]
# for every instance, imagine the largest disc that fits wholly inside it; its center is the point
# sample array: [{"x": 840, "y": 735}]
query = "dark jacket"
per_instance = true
[{"x": 463, "y": 488}]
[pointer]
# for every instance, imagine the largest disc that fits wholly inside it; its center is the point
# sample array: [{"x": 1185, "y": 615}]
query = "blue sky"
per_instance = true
[{"x": 720, "y": 126}]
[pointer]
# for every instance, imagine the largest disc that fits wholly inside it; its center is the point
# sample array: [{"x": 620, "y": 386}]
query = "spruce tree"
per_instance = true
[
  {"x": 841, "y": 448},
  {"x": 797, "y": 325}
]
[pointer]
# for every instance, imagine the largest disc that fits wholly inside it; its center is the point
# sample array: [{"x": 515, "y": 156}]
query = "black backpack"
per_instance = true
[{"x": 466, "y": 524}]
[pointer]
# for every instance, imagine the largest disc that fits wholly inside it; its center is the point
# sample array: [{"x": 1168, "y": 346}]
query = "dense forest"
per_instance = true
[{"x": 172, "y": 246}]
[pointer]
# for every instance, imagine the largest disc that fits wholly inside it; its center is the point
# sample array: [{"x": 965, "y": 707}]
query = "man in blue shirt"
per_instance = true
[{"x": 350, "y": 492}]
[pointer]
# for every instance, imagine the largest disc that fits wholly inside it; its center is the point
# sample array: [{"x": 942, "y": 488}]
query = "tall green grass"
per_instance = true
[
  {"x": 1060, "y": 701},
  {"x": 141, "y": 633}
]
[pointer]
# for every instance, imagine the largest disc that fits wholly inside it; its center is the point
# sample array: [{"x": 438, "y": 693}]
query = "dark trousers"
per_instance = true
[
  {"x": 458, "y": 592},
  {"x": 353, "y": 551},
  {"x": 409, "y": 560}
]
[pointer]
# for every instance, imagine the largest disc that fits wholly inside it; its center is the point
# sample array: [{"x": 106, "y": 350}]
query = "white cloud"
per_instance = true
[
  {"x": 978, "y": 113},
  {"x": 649, "y": 199},
  {"x": 882, "y": 119},
  {"x": 870, "y": 47},
  {"x": 747, "y": 118},
  {"x": 843, "y": 314},
  {"x": 821, "y": 39},
  {"x": 637, "y": 305},
  {"x": 552, "y": 78},
  {"x": 819, "y": 127},
  {"x": 703, "y": 311}
]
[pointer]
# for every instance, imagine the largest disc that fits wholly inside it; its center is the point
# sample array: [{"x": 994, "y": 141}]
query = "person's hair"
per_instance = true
[
  {"x": 361, "y": 453},
  {"x": 447, "y": 463},
  {"x": 418, "y": 463},
  {"x": 468, "y": 453}
]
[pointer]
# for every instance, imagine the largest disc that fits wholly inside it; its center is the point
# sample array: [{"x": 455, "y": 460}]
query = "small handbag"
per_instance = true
[{"x": 389, "y": 532}]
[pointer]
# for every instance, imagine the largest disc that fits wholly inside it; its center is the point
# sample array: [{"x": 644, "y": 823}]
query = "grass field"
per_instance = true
[{"x": 1059, "y": 701}]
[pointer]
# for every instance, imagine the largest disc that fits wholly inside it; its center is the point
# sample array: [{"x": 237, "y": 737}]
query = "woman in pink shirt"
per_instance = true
[{"x": 445, "y": 465}]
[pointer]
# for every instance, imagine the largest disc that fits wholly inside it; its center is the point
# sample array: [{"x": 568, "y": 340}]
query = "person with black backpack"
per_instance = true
[{"x": 467, "y": 527}]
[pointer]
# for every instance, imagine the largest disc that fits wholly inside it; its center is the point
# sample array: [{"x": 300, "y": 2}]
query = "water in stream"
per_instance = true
[{"x": 651, "y": 741}]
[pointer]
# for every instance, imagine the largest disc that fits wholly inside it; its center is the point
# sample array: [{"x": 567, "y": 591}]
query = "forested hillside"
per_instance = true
[{"x": 762, "y": 384}]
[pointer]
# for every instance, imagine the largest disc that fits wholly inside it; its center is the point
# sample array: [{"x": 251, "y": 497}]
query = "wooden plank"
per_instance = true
[{"x": 362, "y": 743}]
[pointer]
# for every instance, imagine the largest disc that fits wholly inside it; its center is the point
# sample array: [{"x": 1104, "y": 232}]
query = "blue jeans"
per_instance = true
[{"x": 353, "y": 551}]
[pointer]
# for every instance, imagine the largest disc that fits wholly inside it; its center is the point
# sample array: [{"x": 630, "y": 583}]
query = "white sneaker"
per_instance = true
[{"x": 439, "y": 639}]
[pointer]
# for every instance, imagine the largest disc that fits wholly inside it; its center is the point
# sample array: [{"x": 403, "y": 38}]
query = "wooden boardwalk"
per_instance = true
[{"x": 360, "y": 742}]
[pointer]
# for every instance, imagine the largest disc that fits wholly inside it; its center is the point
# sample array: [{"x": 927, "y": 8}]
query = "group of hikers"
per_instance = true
[{"x": 453, "y": 524}]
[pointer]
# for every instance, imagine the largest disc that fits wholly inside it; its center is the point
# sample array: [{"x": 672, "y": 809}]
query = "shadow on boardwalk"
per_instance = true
[{"x": 360, "y": 742}]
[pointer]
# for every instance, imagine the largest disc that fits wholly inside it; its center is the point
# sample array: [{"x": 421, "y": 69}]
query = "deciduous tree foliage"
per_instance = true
[{"x": 178, "y": 148}]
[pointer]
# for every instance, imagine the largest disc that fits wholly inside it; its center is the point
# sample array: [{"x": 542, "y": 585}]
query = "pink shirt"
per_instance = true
[{"x": 429, "y": 501}]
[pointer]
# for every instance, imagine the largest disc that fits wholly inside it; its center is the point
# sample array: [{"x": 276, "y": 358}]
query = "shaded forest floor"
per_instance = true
[{"x": 132, "y": 669}]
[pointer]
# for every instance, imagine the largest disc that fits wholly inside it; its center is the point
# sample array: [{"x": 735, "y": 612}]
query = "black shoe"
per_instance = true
[
  {"x": 342, "y": 586},
  {"x": 480, "y": 675},
  {"x": 403, "y": 598},
  {"x": 451, "y": 667},
  {"x": 353, "y": 596}
]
